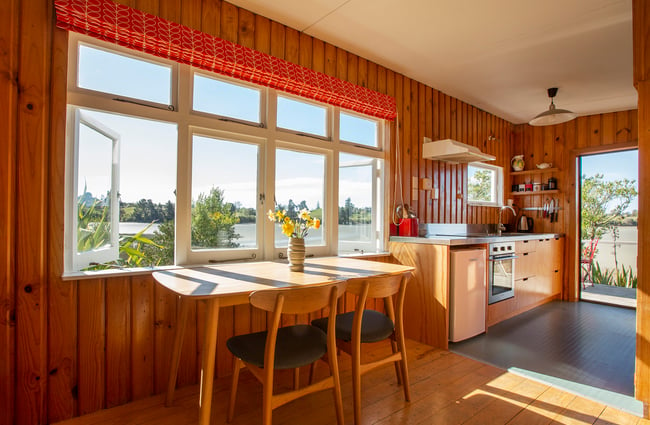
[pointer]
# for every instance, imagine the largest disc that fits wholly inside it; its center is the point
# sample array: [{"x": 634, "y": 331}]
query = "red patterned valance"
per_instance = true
[{"x": 116, "y": 23}]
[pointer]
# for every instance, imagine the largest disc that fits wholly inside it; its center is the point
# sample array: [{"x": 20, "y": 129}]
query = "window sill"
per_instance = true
[{"x": 102, "y": 274}]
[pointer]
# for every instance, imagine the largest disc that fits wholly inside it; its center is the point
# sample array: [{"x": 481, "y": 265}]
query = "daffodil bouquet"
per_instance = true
[{"x": 294, "y": 228}]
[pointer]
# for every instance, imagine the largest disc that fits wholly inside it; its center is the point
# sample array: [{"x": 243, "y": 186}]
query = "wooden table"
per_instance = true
[{"x": 231, "y": 284}]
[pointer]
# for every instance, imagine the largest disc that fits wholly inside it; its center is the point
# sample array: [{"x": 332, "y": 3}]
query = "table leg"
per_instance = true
[
  {"x": 179, "y": 333},
  {"x": 208, "y": 359}
]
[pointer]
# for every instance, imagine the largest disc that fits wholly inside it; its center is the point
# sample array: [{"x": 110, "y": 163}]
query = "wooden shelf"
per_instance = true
[
  {"x": 529, "y": 193},
  {"x": 535, "y": 171}
]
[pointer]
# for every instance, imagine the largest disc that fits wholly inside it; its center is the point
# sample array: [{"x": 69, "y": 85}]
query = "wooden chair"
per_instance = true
[
  {"x": 288, "y": 347},
  {"x": 365, "y": 326}
]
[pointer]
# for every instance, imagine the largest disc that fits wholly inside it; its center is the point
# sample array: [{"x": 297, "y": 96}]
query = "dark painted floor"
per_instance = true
[{"x": 591, "y": 344}]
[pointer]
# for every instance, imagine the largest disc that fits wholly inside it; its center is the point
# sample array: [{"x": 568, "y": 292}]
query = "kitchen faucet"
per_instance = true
[{"x": 500, "y": 226}]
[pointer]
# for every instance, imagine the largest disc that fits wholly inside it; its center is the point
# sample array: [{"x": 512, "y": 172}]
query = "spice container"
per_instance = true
[{"x": 552, "y": 183}]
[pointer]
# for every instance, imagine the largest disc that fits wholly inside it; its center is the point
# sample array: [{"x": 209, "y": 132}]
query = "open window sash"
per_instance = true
[{"x": 95, "y": 230}]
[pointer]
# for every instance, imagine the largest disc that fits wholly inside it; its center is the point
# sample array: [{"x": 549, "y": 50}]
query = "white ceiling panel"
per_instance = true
[{"x": 498, "y": 55}]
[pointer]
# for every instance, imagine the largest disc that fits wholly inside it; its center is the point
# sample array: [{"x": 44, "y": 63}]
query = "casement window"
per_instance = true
[
  {"x": 169, "y": 164},
  {"x": 484, "y": 184}
]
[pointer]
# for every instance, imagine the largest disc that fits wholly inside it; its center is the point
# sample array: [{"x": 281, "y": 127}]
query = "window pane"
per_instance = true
[
  {"x": 224, "y": 194},
  {"x": 300, "y": 184},
  {"x": 481, "y": 184},
  {"x": 356, "y": 231},
  {"x": 94, "y": 185},
  {"x": 302, "y": 117},
  {"x": 147, "y": 183},
  {"x": 226, "y": 99},
  {"x": 358, "y": 130},
  {"x": 123, "y": 75}
]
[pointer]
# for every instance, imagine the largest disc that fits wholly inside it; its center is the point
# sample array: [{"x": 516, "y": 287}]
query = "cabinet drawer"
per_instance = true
[
  {"x": 525, "y": 246},
  {"x": 525, "y": 265}
]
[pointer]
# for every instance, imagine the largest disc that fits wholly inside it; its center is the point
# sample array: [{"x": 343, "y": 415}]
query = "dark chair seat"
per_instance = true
[
  {"x": 296, "y": 346},
  {"x": 375, "y": 326}
]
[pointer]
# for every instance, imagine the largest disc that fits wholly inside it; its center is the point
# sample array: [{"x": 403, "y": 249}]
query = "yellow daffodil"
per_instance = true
[
  {"x": 288, "y": 228},
  {"x": 294, "y": 227}
]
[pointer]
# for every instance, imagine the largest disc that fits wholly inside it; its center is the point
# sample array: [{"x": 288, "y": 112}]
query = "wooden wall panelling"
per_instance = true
[
  {"x": 422, "y": 163},
  {"x": 405, "y": 136},
  {"x": 225, "y": 331},
  {"x": 151, "y": 6},
  {"x": 428, "y": 164},
  {"x": 414, "y": 143},
  {"x": 277, "y": 40},
  {"x": 31, "y": 212},
  {"x": 188, "y": 370},
  {"x": 62, "y": 295},
  {"x": 118, "y": 341},
  {"x": 229, "y": 22},
  {"x": 246, "y": 29},
  {"x": 170, "y": 10},
  {"x": 9, "y": 39},
  {"x": 92, "y": 349},
  {"x": 164, "y": 326},
  {"x": 142, "y": 337},
  {"x": 292, "y": 45}
]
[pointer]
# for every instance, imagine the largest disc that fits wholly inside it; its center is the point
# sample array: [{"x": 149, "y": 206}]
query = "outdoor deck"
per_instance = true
[{"x": 607, "y": 294}]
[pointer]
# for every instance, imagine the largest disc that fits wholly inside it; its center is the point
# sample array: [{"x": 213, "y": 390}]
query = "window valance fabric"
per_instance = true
[{"x": 116, "y": 23}]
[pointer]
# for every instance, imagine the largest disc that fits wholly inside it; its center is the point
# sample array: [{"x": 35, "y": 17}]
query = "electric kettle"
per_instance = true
[{"x": 523, "y": 224}]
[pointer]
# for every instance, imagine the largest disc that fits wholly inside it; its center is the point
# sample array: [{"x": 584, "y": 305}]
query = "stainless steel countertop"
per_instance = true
[{"x": 472, "y": 239}]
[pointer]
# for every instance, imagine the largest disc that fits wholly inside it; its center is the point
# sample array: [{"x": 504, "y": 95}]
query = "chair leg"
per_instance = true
[
  {"x": 267, "y": 397},
  {"x": 356, "y": 384},
  {"x": 296, "y": 378},
  {"x": 312, "y": 372},
  {"x": 405, "y": 372},
  {"x": 233, "y": 389},
  {"x": 398, "y": 372}
]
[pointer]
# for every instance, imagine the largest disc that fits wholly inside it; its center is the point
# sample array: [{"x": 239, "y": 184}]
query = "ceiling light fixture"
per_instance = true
[{"x": 553, "y": 115}]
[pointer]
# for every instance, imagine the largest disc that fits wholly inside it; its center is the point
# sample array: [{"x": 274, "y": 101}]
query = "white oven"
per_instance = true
[{"x": 501, "y": 271}]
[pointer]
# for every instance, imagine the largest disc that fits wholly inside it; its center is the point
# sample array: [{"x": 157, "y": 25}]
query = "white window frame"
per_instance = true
[
  {"x": 498, "y": 185},
  {"x": 267, "y": 136},
  {"x": 376, "y": 218},
  {"x": 79, "y": 260}
]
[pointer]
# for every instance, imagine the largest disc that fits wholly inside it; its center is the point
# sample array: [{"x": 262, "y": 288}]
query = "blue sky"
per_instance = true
[{"x": 614, "y": 166}]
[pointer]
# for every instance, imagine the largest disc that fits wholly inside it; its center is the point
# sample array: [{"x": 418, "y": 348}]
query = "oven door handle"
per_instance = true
[{"x": 505, "y": 257}]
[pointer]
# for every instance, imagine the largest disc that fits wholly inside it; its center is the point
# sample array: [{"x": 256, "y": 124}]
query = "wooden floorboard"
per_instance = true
[{"x": 446, "y": 388}]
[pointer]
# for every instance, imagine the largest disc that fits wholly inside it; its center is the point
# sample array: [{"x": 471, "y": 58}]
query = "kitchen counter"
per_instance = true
[{"x": 473, "y": 238}]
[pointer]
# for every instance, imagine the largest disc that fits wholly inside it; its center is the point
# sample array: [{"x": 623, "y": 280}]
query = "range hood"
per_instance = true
[{"x": 453, "y": 151}]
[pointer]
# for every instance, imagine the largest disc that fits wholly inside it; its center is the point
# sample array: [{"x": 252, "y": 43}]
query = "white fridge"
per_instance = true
[{"x": 467, "y": 293}]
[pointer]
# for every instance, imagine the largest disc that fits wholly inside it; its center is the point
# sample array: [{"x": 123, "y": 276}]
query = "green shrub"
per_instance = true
[{"x": 600, "y": 276}]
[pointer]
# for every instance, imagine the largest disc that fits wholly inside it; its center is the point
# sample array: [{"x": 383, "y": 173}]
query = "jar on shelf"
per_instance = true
[
  {"x": 517, "y": 162},
  {"x": 552, "y": 183}
]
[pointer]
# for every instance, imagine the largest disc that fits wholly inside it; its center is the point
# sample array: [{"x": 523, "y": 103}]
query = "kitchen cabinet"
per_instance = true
[
  {"x": 538, "y": 278},
  {"x": 426, "y": 311}
]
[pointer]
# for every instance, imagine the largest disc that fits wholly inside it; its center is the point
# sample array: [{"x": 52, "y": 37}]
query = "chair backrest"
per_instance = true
[
  {"x": 378, "y": 286},
  {"x": 297, "y": 299}
]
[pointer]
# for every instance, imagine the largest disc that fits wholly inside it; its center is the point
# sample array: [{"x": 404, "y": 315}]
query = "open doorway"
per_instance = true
[{"x": 608, "y": 227}]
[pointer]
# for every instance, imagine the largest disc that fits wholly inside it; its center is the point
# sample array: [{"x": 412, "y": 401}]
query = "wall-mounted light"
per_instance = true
[{"x": 553, "y": 115}]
